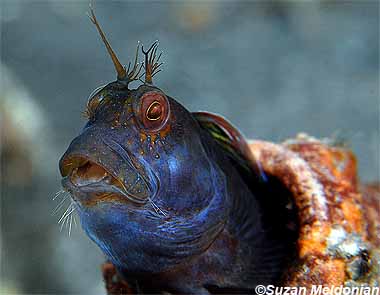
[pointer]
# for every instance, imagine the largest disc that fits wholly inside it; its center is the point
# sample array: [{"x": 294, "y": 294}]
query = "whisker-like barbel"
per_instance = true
[
  {"x": 71, "y": 221},
  {"x": 57, "y": 194},
  {"x": 68, "y": 211},
  {"x": 59, "y": 206},
  {"x": 156, "y": 208}
]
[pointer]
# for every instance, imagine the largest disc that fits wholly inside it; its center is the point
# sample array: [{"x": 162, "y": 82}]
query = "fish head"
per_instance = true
[{"x": 139, "y": 161}]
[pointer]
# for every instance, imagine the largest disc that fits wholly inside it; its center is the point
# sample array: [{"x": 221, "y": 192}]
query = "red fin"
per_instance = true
[{"x": 229, "y": 137}]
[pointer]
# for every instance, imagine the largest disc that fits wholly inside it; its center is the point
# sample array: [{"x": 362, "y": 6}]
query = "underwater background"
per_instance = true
[{"x": 273, "y": 68}]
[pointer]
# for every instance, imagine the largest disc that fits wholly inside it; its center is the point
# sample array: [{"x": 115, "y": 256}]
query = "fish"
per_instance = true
[{"x": 173, "y": 198}]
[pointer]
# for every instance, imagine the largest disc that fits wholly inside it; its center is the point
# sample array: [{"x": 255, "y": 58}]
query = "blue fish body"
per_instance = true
[{"x": 174, "y": 199}]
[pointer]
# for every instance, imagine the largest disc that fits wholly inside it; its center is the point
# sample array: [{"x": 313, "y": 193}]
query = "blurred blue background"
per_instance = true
[{"x": 274, "y": 69}]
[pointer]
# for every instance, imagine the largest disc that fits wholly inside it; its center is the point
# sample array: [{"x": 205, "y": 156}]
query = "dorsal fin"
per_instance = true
[{"x": 229, "y": 139}]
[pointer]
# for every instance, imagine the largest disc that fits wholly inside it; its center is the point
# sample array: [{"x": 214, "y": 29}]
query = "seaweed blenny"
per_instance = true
[{"x": 174, "y": 198}]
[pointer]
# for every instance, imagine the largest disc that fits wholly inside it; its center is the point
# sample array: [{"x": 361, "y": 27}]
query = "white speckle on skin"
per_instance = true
[{"x": 173, "y": 166}]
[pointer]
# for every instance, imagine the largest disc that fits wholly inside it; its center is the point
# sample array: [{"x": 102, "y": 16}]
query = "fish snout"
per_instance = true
[{"x": 92, "y": 168}]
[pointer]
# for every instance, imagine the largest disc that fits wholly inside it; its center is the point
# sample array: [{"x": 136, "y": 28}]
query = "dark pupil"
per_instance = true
[{"x": 154, "y": 111}]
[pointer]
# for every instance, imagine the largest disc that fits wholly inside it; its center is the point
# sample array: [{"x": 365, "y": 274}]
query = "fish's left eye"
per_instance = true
[{"x": 153, "y": 110}]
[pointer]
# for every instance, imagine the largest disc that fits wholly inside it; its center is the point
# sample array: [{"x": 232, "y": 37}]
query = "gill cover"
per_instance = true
[{"x": 231, "y": 140}]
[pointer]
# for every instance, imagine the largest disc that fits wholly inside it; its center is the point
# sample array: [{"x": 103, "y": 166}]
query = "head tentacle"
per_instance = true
[
  {"x": 123, "y": 75},
  {"x": 151, "y": 64},
  {"x": 134, "y": 73}
]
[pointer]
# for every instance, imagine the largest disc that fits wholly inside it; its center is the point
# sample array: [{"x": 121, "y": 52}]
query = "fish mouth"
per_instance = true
[{"x": 90, "y": 182}]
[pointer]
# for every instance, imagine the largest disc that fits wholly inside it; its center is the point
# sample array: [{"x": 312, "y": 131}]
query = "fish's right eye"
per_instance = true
[{"x": 94, "y": 100}]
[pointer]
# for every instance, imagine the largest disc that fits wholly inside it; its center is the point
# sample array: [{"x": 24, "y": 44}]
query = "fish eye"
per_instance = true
[
  {"x": 97, "y": 90},
  {"x": 93, "y": 102},
  {"x": 153, "y": 110}
]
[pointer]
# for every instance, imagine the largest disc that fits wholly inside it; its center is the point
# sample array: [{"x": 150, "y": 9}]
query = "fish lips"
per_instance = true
[{"x": 94, "y": 170}]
